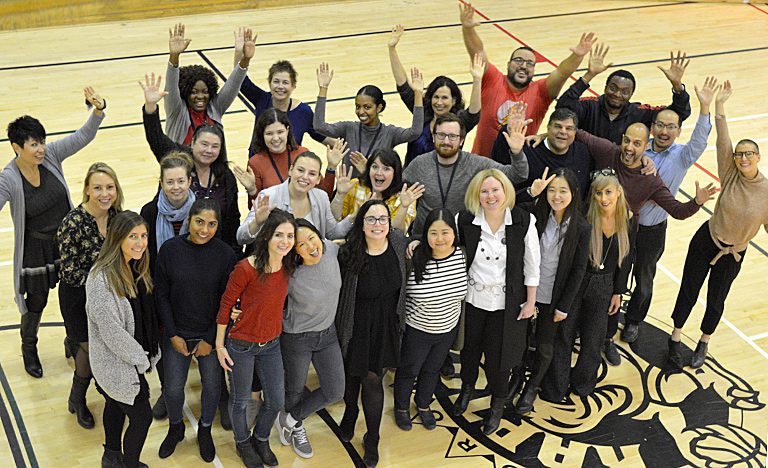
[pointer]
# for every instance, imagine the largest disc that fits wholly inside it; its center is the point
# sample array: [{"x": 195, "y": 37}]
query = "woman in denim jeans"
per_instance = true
[{"x": 260, "y": 283}]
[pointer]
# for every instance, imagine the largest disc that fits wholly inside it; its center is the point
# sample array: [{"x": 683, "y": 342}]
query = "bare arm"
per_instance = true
[
  {"x": 723, "y": 141},
  {"x": 398, "y": 70},
  {"x": 477, "y": 69},
  {"x": 472, "y": 41}
]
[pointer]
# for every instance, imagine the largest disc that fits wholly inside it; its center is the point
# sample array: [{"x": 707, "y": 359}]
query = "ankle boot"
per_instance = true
[
  {"x": 30, "y": 323},
  {"x": 700, "y": 355},
  {"x": 77, "y": 403},
  {"x": 462, "y": 401},
  {"x": 347, "y": 424},
  {"x": 175, "y": 435},
  {"x": 371, "y": 446},
  {"x": 675, "y": 356},
  {"x": 525, "y": 403},
  {"x": 494, "y": 418},
  {"x": 112, "y": 458}
]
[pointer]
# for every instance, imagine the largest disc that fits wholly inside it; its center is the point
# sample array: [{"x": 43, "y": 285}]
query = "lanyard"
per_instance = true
[
  {"x": 274, "y": 164},
  {"x": 444, "y": 195},
  {"x": 373, "y": 143},
  {"x": 208, "y": 189}
]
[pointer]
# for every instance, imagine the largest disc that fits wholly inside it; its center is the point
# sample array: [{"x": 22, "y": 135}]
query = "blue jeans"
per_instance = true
[
  {"x": 267, "y": 362},
  {"x": 322, "y": 349},
  {"x": 176, "y": 367}
]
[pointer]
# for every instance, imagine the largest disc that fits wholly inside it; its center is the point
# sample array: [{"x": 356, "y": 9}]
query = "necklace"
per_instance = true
[{"x": 607, "y": 251}]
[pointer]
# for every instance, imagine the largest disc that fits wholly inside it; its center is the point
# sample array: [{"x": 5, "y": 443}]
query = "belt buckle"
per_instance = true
[{"x": 261, "y": 345}]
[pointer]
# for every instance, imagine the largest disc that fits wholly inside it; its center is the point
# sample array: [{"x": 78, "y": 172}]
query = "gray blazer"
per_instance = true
[{"x": 116, "y": 357}]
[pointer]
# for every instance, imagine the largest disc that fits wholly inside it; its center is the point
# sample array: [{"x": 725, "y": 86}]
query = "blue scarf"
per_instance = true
[{"x": 168, "y": 214}]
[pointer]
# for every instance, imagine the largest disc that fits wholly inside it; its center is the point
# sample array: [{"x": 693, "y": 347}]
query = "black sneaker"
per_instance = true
[
  {"x": 630, "y": 332},
  {"x": 403, "y": 419},
  {"x": 265, "y": 453},
  {"x": 611, "y": 353},
  {"x": 248, "y": 454}
]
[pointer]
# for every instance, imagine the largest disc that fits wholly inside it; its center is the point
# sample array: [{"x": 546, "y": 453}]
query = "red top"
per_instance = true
[
  {"x": 261, "y": 303},
  {"x": 497, "y": 96},
  {"x": 266, "y": 175},
  {"x": 198, "y": 118}
]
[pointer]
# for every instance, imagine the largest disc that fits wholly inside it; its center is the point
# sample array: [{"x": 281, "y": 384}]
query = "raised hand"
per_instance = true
[
  {"x": 477, "y": 67},
  {"x": 467, "y": 16},
  {"x": 94, "y": 99},
  {"x": 246, "y": 178},
  {"x": 344, "y": 180},
  {"x": 177, "y": 43},
  {"x": 585, "y": 44},
  {"x": 324, "y": 75},
  {"x": 597, "y": 63},
  {"x": 417, "y": 81},
  {"x": 249, "y": 43},
  {"x": 515, "y": 135},
  {"x": 336, "y": 153},
  {"x": 397, "y": 33},
  {"x": 677, "y": 66},
  {"x": 239, "y": 41},
  {"x": 358, "y": 160},
  {"x": 261, "y": 210},
  {"x": 706, "y": 193},
  {"x": 408, "y": 195},
  {"x": 516, "y": 112},
  {"x": 541, "y": 183},
  {"x": 724, "y": 93},
  {"x": 152, "y": 92}
]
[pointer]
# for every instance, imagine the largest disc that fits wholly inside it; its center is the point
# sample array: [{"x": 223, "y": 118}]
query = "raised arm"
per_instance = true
[
  {"x": 228, "y": 92},
  {"x": 567, "y": 67},
  {"x": 476, "y": 69},
  {"x": 336, "y": 130},
  {"x": 60, "y": 150},
  {"x": 681, "y": 101},
  {"x": 403, "y": 135},
  {"x": 723, "y": 141},
  {"x": 698, "y": 141},
  {"x": 398, "y": 70},
  {"x": 472, "y": 41},
  {"x": 678, "y": 210},
  {"x": 177, "y": 44},
  {"x": 158, "y": 141}
]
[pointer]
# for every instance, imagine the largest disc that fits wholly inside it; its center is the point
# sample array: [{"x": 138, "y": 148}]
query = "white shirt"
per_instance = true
[{"x": 488, "y": 271}]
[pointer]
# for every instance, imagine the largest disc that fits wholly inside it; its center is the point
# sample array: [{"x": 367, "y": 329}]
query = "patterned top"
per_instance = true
[
  {"x": 360, "y": 194},
  {"x": 79, "y": 244}
]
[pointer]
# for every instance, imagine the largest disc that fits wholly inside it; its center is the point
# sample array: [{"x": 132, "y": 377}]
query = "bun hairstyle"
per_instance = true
[{"x": 373, "y": 92}]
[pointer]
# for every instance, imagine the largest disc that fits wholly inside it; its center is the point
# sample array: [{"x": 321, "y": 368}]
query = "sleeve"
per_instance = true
[
  {"x": 348, "y": 207},
  {"x": 250, "y": 91},
  {"x": 570, "y": 99},
  {"x": 159, "y": 143},
  {"x": 577, "y": 271},
  {"x": 602, "y": 151},
  {"x": 5, "y": 188},
  {"x": 163, "y": 292},
  {"x": 311, "y": 129},
  {"x": 470, "y": 120},
  {"x": 174, "y": 104},
  {"x": 333, "y": 229},
  {"x": 228, "y": 93},
  {"x": 336, "y": 130},
  {"x": 243, "y": 236},
  {"x": 60, "y": 150},
  {"x": 678, "y": 210},
  {"x": 517, "y": 170},
  {"x": 532, "y": 255},
  {"x": 406, "y": 95},
  {"x": 500, "y": 151},
  {"x": 725, "y": 163},
  {"x": 621, "y": 276},
  {"x": 681, "y": 104},
  {"x": 210, "y": 336},
  {"x": 232, "y": 217},
  {"x": 236, "y": 284},
  {"x": 695, "y": 147},
  {"x": 404, "y": 135}
]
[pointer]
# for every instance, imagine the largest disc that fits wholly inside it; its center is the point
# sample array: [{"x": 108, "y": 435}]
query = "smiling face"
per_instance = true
[
  {"x": 444, "y": 147},
  {"x": 206, "y": 148},
  {"x": 381, "y": 175},
  {"x": 441, "y": 239},
  {"x": 559, "y": 194},
  {"x": 606, "y": 198},
  {"x": 747, "y": 167},
  {"x": 560, "y": 135},
  {"x": 281, "y": 86},
  {"x": 442, "y": 101},
  {"x": 618, "y": 92},
  {"x": 376, "y": 231},
  {"x": 367, "y": 110},
  {"x": 665, "y": 129},
  {"x": 199, "y": 97},
  {"x": 305, "y": 174},
  {"x": 276, "y": 137},
  {"x": 492, "y": 196},
  {"x": 175, "y": 184},
  {"x": 135, "y": 243},
  {"x": 202, "y": 226},
  {"x": 521, "y": 67},
  {"x": 101, "y": 192},
  {"x": 33, "y": 152},
  {"x": 634, "y": 142},
  {"x": 281, "y": 241},
  {"x": 309, "y": 246}
]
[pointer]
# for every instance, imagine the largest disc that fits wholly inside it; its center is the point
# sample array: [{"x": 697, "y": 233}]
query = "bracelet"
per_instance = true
[
  {"x": 330, "y": 170},
  {"x": 104, "y": 106}
]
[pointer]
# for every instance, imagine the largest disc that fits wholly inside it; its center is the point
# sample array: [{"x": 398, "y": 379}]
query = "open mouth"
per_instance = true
[{"x": 315, "y": 253}]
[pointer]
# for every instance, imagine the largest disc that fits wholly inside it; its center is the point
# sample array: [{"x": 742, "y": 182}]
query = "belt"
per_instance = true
[
  {"x": 249, "y": 343},
  {"x": 493, "y": 288}
]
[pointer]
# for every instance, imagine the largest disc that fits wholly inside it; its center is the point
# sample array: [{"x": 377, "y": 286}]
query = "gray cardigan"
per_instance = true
[
  {"x": 116, "y": 357},
  {"x": 12, "y": 189},
  {"x": 177, "y": 120}
]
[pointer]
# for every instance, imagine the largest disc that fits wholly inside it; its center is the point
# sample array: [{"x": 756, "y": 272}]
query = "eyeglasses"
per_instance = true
[
  {"x": 372, "y": 220},
  {"x": 602, "y": 172},
  {"x": 745, "y": 154},
  {"x": 452, "y": 137},
  {"x": 661, "y": 126},
  {"x": 519, "y": 61}
]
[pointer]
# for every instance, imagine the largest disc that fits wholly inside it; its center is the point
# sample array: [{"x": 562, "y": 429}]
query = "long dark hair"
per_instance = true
[
  {"x": 423, "y": 252},
  {"x": 219, "y": 166},
  {"x": 436, "y": 84},
  {"x": 542, "y": 210},
  {"x": 352, "y": 253},
  {"x": 120, "y": 276},
  {"x": 387, "y": 157},
  {"x": 261, "y": 243},
  {"x": 267, "y": 118}
]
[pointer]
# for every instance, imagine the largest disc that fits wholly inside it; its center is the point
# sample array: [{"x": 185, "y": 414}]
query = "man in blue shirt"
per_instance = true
[{"x": 672, "y": 162}]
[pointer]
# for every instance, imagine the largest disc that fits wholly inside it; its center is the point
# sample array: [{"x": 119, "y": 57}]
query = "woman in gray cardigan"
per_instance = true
[
  {"x": 123, "y": 336},
  {"x": 33, "y": 182}
]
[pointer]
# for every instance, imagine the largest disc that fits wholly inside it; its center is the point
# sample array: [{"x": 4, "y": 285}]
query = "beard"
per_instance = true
[
  {"x": 445, "y": 152},
  {"x": 515, "y": 82}
]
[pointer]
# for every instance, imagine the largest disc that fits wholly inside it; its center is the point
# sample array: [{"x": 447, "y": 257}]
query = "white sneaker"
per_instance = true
[
  {"x": 282, "y": 427},
  {"x": 300, "y": 443}
]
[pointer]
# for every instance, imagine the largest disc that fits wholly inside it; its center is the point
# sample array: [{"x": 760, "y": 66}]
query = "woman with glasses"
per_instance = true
[
  {"x": 503, "y": 268},
  {"x": 612, "y": 233},
  {"x": 369, "y": 133},
  {"x": 718, "y": 247},
  {"x": 370, "y": 317}
]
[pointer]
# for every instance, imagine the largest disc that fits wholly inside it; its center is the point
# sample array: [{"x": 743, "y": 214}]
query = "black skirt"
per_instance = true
[
  {"x": 72, "y": 305},
  {"x": 40, "y": 265}
]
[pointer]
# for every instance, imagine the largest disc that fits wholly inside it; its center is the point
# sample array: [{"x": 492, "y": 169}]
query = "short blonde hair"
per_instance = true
[
  {"x": 472, "y": 197},
  {"x": 104, "y": 168}
]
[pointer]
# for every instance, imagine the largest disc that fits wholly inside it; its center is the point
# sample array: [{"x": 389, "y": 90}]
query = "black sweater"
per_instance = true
[{"x": 189, "y": 281}]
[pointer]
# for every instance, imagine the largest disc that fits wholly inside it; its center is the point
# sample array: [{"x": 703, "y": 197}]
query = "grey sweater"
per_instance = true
[
  {"x": 422, "y": 169},
  {"x": 313, "y": 294},
  {"x": 12, "y": 189},
  {"x": 177, "y": 120},
  {"x": 116, "y": 357}
]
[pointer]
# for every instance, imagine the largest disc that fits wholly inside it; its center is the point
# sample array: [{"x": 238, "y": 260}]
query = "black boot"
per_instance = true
[
  {"x": 700, "y": 355},
  {"x": 525, "y": 403},
  {"x": 77, "y": 401},
  {"x": 264, "y": 451},
  {"x": 462, "y": 401},
  {"x": 675, "y": 356},
  {"x": 30, "y": 323},
  {"x": 494, "y": 418},
  {"x": 112, "y": 458},
  {"x": 371, "y": 446},
  {"x": 67, "y": 348},
  {"x": 347, "y": 424},
  {"x": 174, "y": 436},
  {"x": 515, "y": 382}
]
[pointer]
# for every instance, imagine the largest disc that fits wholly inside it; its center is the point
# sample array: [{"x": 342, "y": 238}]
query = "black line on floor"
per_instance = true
[
  {"x": 224, "y": 79},
  {"x": 19, "y": 422},
  {"x": 10, "y": 434},
  {"x": 340, "y": 36},
  {"x": 353, "y": 455},
  {"x": 16, "y": 326}
]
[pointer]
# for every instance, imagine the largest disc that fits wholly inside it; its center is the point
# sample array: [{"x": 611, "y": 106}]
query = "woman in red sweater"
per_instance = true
[{"x": 260, "y": 283}]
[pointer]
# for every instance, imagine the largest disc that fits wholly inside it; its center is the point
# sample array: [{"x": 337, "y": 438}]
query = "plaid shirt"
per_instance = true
[{"x": 360, "y": 194}]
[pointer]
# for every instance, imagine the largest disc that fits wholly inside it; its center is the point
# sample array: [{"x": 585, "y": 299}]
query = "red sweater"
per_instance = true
[
  {"x": 266, "y": 175},
  {"x": 261, "y": 303}
]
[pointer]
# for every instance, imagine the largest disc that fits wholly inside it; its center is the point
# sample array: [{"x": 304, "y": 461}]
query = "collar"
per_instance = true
[
  {"x": 480, "y": 221},
  {"x": 552, "y": 219}
]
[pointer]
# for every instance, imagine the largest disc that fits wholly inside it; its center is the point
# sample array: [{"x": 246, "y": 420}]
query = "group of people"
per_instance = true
[{"x": 370, "y": 262}]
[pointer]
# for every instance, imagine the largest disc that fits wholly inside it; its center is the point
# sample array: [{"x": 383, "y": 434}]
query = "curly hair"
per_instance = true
[{"x": 191, "y": 74}]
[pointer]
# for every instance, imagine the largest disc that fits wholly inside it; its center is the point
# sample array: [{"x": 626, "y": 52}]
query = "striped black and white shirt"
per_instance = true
[{"x": 434, "y": 305}]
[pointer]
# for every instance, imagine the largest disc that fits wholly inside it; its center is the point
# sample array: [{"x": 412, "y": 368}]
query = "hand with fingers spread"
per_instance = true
[
  {"x": 477, "y": 67},
  {"x": 177, "y": 43},
  {"x": 246, "y": 178},
  {"x": 324, "y": 75},
  {"x": 724, "y": 93},
  {"x": 516, "y": 113},
  {"x": 515, "y": 135},
  {"x": 261, "y": 213},
  {"x": 467, "y": 16},
  {"x": 707, "y": 93},
  {"x": 344, "y": 181},
  {"x": 597, "y": 63},
  {"x": 540, "y": 184},
  {"x": 677, "y": 66},
  {"x": 397, "y": 33},
  {"x": 152, "y": 92},
  {"x": 239, "y": 43},
  {"x": 249, "y": 47},
  {"x": 94, "y": 99},
  {"x": 585, "y": 44},
  {"x": 706, "y": 193},
  {"x": 417, "y": 81},
  {"x": 359, "y": 161},
  {"x": 408, "y": 195},
  {"x": 336, "y": 153}
]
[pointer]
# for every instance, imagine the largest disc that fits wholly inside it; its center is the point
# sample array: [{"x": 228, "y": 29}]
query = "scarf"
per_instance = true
[{"x": 167, "y": 214}]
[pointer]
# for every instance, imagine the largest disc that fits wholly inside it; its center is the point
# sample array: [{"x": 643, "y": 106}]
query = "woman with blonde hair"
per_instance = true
[
  {"x": 123, "y": 336},
  {"x": 80, "y": 236},
  {"x": 503, "y": 257},
  {"x": 599, "y": 297}
]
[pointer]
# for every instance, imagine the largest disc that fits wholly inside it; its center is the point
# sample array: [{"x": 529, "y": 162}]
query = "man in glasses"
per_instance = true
[
  {"x": 610, "y": 114},
  {"x": 672, "y": 162},
  {"x": 500, "y": 92}
]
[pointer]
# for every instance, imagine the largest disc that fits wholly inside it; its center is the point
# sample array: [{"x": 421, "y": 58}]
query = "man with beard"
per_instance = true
[
  {"x": 609, "y": 115},
  {"x": 672, "y": 161},
  {"x": 500, "y": 92}
]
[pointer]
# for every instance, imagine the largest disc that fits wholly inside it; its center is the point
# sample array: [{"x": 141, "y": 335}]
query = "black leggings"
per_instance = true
[
  {"x": 372, "y": 398},
  {"x": 139, "y": 419}
]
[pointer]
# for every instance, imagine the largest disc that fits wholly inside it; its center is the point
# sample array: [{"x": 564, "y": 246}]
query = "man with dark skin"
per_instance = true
[{"x": 607, "y": 116}]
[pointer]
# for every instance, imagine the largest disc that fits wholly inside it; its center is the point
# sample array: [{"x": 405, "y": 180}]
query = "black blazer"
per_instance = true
[{"x": 571, "y": 269}]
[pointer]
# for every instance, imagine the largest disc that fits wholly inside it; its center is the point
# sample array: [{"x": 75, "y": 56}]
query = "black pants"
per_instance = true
[
  {"x": 421, "y": 355},
  {"x": 588, "y": 318},
  {"x": 139, "y": 419},
  {"x": 546, "y": 329},
  {"x": 701, "y": 251},
  {"x": 649, "y": 248},
  {"x": 483, "y": 335}
]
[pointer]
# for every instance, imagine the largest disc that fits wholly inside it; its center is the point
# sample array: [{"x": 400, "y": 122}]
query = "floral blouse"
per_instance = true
[{"x": 79, "y": 242}]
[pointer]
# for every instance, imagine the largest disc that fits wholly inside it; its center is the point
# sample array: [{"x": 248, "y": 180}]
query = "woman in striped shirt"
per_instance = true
[{"x": 437, "y": 283}]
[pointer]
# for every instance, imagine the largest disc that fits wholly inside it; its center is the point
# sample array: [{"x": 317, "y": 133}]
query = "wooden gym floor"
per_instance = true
[{"x": 714, "y": 416}]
